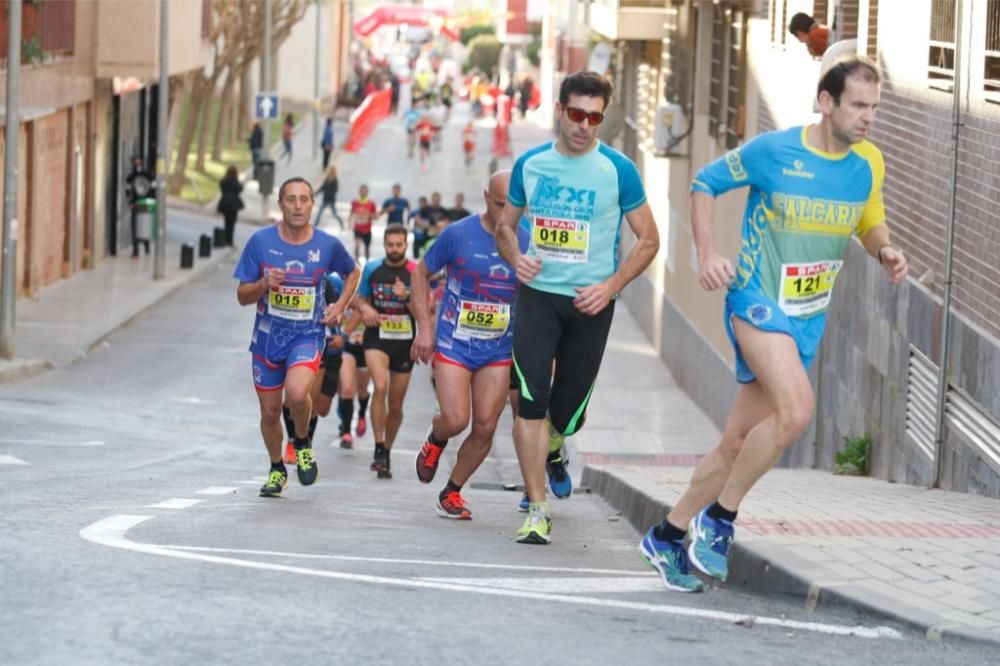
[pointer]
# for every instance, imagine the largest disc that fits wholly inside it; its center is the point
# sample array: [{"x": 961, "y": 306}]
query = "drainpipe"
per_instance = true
[{"x": 942, "y": 386}]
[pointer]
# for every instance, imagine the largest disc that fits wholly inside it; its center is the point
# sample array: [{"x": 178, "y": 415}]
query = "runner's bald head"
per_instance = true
[
  {"x": 499, "y": 182},
  {"x": 495, "y": 196}
]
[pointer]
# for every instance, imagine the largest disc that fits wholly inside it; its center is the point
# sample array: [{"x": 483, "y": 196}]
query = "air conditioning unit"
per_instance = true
[{"x": 670, "y": 127}]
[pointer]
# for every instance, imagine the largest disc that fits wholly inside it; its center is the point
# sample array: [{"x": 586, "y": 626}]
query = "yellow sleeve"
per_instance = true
[{"x": 874, "y": 212}]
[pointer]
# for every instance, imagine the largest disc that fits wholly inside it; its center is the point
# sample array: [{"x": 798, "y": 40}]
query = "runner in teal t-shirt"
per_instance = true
[{"x": 575, "y": 193}]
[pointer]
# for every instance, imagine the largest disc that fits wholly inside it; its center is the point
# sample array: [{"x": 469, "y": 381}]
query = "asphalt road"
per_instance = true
[{"x": 132, "y": 534}]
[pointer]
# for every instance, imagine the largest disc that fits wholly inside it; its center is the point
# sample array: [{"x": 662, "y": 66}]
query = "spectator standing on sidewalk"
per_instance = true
[
  {"x": 138, "y": 185},
  {"x": 230, "y": 202},
  {"x": 328, "y": 188},
  {"x": 287, "y": 130},
  {"x": 797, "y": 226},
  {"x": 327, "y": 142},
  {"x": 256, "y": 142}
]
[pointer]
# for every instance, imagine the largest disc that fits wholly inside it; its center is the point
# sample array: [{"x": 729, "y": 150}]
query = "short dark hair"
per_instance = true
[
  {"x": 394, "y": 228},
  {"x": 801, "y": 22},
  {"x": 588, "y": 84},
  {"x": 296, "y": 179},
  {"x": 834, "y": 80}
]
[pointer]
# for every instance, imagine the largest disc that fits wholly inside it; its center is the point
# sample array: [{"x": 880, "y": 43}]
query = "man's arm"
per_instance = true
[
  {"x": 591, "y": 300},
  {"x": 251, "y": 292},
  {"x": 526, "y": 267},
  {"x": 878, "y": 244},
  {"x": 714, "y": 271}
]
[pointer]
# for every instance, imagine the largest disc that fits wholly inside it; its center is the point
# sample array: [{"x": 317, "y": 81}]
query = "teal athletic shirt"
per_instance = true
[
  {"x": 802, "y": 208},
  {"x": 575, "y": 206}
]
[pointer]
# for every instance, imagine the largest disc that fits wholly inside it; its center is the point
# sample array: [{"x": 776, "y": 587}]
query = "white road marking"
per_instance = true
[
  {"x": 250, "y": 482},
  {"x": 563, "y": 584},
  {"x": 11, "y": 460},
  {"x": 216, "y": 490},
  {"x": 111, "y": 532},
  {"x": 51, "y": 442},
  {"x": 434, "y": 563},
  {"x": 175, "y": 503},
  {"x": 193, "y": 400}
]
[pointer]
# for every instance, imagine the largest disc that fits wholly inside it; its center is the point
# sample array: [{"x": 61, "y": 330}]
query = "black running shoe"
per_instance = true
[
  {"x": 277, "y": 481},
  {"x": 306, "y": 466},
  {"x": 381, "y": 465}
]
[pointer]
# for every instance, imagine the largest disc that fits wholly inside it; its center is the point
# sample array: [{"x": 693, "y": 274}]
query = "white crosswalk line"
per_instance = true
[
  {"x": 175, "y": 503},
  {"x": 216, "y": 490},
  {"x": 11, "y": 460}
]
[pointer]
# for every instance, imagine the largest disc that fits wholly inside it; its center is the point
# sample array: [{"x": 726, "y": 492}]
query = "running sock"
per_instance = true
[
  {"x": 278, "y": 466},
  {"x": 434, "y": 440},
  {"x": 346, "y": 412},
  {"x": 312, "y": 426},
  {"x": 452, "y": 487},
  {"x": 301, "y": 442},
  {"x": 544, "y": 506},
  {"x": 666, "y": 531},
  {"x": 719, "y": 512},
  {"x": 289, "y": 422},
  {"x": 362, "y": 406},
  {"x": 380, "y": 448}
]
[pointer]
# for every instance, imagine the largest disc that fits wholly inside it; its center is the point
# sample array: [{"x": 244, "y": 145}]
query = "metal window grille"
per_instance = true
[
  {"x": 736, "y": 77},
  {"x": 779, "y": 21},
  {"x": 941, "y": 56},
  {"x": 716, "y": 88},
  {"x": 992, "y": 51},
  {"x": 921, "y": 402}
]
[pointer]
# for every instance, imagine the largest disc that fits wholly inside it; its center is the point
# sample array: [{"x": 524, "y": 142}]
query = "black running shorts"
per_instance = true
[{"x": 548, "y": 328}]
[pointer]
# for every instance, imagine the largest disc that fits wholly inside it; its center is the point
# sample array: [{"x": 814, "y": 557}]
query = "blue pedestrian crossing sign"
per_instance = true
[{"x": 267, "y": 106}]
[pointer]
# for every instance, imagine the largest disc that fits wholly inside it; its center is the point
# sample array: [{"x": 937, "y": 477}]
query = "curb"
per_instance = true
[
  {"x": 17, "y": 369},
  {"x": 768, "y": 569}
]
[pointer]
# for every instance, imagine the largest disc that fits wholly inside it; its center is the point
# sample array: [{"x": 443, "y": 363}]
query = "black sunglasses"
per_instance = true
[{"x": 578, "y": 115}]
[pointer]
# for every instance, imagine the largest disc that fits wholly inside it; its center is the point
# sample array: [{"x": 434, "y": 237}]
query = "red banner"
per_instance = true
[{"x": 372, "y": 111}]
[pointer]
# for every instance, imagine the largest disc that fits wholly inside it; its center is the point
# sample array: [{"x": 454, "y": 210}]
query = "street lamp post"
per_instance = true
[
  {"x": 12, "y": 120},
  {"x": 162, "y": 94}
]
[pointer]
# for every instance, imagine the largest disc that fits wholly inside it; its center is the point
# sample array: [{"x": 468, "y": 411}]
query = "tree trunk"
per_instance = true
[
  {"x": 223, "y": 121},
  {"x": 179, "y": 86},
  {"x": 206, "y": 119},
  {"x": 197, "y": 102},
  {"x": 243, "y": 126}
]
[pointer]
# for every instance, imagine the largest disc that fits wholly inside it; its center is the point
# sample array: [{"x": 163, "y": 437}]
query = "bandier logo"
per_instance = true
[
  {"x": 313, "y": 256},
  {"x": 799, "y": 171}
]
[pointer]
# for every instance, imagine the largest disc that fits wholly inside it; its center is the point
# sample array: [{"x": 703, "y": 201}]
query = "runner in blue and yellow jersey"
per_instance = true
[
  {"x": 281, "y": 271},
  {"x": 472, "y": 344},
  {"x": 384, "y": 301},
  {"x": 576, "y": 192},
  {"x": 811, "y": 188}
]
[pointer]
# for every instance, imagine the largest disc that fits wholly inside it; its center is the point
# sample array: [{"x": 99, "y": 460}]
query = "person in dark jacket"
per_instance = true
[
  {"x": 256, "y": 142},
  {"x": 230, "y": 202},
  {"x": 327, "y": 143},
  {"x": 329, "y": 190}
]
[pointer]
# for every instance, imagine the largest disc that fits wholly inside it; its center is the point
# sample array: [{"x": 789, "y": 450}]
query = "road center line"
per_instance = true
[
  {"x": 111, "y": 532},
  {"x": 11, "y": 460},
  {"x": 215, "y": 490},
  {"x": 175, "y": 503}
]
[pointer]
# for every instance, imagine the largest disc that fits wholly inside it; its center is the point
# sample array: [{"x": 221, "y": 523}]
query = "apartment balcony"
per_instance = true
[{"x": 628, "y": 19}]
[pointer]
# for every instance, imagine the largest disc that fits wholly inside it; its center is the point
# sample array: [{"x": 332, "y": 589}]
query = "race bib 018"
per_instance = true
[
  {"x": 482, "y": 321},
  {"x": 294, "y": 303},
  {"x": 567, "y": 241},
  {"x": 806, "y": 288}
]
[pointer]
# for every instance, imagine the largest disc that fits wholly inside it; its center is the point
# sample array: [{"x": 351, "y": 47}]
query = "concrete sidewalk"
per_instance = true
[{"x": 65, "y": 320}]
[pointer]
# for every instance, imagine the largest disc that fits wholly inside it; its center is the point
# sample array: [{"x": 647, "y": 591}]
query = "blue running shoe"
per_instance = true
[
  {"x": 709, "y": 547},
  {"x": 559, "y": 478},
  {"x": 522, "y": 506},
  {"x": 671, "y": 561}
]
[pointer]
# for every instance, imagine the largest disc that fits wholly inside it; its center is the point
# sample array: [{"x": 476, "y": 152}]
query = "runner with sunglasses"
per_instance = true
[{"x": 575, "y": 192}]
